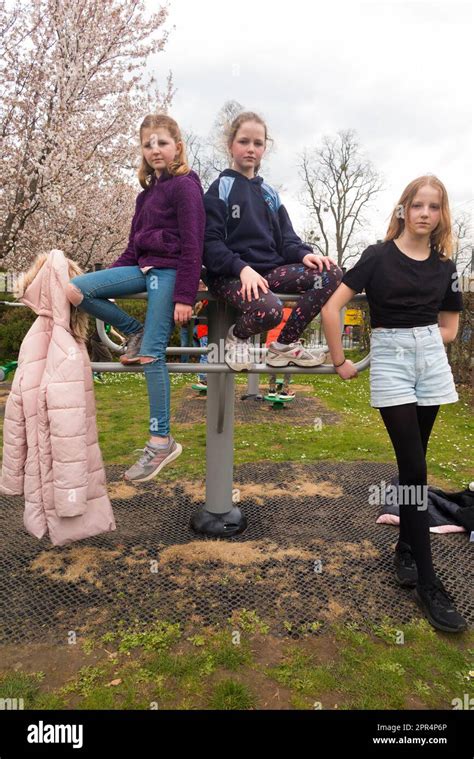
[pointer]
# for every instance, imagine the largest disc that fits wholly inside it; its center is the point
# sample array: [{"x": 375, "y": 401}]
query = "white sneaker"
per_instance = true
[
  {"x": 238, "y": 353},
  {"x": 287, "y": 394},
  {"x": 295, "y": 354}
]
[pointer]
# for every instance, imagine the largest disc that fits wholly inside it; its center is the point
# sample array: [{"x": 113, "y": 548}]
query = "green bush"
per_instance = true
[
  {"x": 14, "y": 324},
  {"x": 461, "y": 351},
  {"x": 16, "y": 321}
]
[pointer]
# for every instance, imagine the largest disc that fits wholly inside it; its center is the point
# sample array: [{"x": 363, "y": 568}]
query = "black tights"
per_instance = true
[{"x": 409, "y": 427}]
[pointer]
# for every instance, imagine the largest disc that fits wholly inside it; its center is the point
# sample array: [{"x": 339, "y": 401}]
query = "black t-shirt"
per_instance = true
[{"x": 401, "y": 291}]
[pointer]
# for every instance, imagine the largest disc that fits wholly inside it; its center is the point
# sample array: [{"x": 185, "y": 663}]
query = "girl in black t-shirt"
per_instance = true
[{"x": 414, "y": 300}]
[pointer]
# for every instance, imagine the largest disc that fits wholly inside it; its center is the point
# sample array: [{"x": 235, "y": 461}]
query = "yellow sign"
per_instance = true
[{"x": 353, "y": 316}]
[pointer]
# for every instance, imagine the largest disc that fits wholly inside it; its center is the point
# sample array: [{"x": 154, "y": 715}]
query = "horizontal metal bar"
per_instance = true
[
  {"x": 201, "y": 295},
  {"x": 176, "y": 368},
  {"x": 175, "y": 351},
  {"x": 206, "y": 295}
]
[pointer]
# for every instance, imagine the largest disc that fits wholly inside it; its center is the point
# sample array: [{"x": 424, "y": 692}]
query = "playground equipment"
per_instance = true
[
  {"x": 280, "y": 395},
  {"x": 279, "y": 392},
  {"x": 220, "y": 515},
  {"x": 278, "y": 401},
  {"x": 202, "y": 389},
  {"x": 5, "y": 370}
]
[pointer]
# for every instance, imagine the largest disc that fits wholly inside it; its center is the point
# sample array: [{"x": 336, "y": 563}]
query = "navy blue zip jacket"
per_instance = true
[{"x": 247, "y": 225}]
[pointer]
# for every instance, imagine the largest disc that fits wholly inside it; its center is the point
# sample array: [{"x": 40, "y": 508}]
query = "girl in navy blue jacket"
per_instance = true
[{"x": 251, "y": 249}]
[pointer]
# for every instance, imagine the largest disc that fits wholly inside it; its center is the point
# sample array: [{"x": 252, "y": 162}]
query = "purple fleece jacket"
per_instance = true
[{"x": 167, "y": 231}]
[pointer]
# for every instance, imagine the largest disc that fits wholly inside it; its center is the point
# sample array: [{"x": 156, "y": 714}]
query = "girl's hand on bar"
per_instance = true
[
  {"x": 347, "y": 370},
  {"x": 182, "y": 313}
]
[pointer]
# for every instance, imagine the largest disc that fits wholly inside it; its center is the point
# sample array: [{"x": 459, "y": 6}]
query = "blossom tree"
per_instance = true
[{"x": 74, "y": 93}]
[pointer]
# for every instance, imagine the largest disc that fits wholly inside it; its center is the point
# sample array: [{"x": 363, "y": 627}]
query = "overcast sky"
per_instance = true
[{"x": 396, "y": 72}]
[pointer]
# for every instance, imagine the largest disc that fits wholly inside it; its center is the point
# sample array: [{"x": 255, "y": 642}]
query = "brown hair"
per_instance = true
[
  {"x": 441, "y": 237},
  {"x": 177, "y": 167},
  {"x": 234, "y": 127},
  {"x": 79, "y": 320}
]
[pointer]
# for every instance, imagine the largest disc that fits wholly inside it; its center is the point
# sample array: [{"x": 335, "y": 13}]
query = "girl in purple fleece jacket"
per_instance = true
[{"x": 163, "y": 258}]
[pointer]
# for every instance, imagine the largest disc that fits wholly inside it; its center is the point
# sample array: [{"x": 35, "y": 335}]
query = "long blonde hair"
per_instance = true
[
  {"x": 176, "y": 168},
  {"x": 235, "y": 125},
  {"x": 441, "y": 238},
  {"x": 79, "y": 320}
]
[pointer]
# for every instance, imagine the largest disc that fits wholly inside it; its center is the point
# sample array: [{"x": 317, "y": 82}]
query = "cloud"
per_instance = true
[{"x": 396, "y": 72}]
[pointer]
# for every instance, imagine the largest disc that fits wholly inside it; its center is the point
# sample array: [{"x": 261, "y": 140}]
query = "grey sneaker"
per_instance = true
[
  {"x": 238, "y": 353},
  {"x": 294, "y": 353},
  {"x": 134, "y": 342},
  {"x": 152, "y": 461}
]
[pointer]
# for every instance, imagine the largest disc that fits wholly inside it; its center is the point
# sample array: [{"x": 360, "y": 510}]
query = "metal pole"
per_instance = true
[
  {"x": 219, "y": 517},
  {"x": 253, "y": 381}
]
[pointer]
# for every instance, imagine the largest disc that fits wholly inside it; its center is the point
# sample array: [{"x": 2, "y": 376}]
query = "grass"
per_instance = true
[
  {"x": 388, "y": 668},
  {"x": 122, "y": 415},
  {"x": 122, "y": 418}
]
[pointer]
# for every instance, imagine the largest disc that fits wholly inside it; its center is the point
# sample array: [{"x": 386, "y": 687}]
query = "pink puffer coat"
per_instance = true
[{"x": 50, "y": 450}]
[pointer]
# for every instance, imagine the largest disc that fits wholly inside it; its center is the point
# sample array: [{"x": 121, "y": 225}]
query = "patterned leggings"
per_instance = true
[{"x": 265, "y": 312}]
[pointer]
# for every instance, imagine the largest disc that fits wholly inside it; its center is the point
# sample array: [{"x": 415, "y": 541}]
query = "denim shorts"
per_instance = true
[{"x": 409, "y": 365}]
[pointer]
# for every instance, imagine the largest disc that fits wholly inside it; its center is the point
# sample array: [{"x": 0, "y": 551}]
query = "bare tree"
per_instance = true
[
  {"x": 199, "y": 157},
  {"x": 339, "y": 183},
  {"x": 73, "y": 95},
  {"x": 462, "y": 235},
  {"x": 208, "y": 156}
]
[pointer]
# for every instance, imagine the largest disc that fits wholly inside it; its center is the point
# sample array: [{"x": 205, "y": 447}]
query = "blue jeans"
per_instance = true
[{"x": 119, "y": 282}]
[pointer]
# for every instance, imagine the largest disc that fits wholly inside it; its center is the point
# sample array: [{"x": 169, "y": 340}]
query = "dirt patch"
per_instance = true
[
  {"x": 339, "y": 553},
  {"x": 196, "y": 490},
  {"x": 58, "y": 663},
  {"x": 235, "y": 554},
  {"x": 61, "y": 664},
  {"x": 334, "y": 610},
  {"x": 139, "y": 556},
  {"x": 323, "y": 489},
  {"x": 121, "y": 490},
  {"x": 74, "y": 564},
  {"x": 302, "y": 411}
]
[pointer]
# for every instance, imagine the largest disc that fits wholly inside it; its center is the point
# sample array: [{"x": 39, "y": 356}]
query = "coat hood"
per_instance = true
[{"x": 45, "y": 291}]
